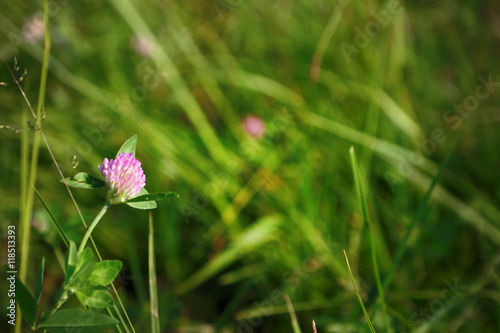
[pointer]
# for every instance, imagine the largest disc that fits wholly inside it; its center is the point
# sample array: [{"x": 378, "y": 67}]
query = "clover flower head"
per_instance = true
[
  {"x": 254, "y": 126},
  {"x": 143, "y": 45},
  {"x": 123, "y": 176},
  {"x": 33, "y": 29}
]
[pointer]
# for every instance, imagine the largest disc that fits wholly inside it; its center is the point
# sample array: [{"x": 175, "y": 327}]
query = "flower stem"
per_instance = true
[{"x": 92, "y": 226}]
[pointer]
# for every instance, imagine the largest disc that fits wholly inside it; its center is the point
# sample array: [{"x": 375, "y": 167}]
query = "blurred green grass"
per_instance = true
[{"x": 260, "y": 218}]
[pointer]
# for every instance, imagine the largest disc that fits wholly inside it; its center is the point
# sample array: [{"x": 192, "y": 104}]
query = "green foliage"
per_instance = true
[
  {"x": 95, "y": 298},
  {"x": 129, "y": 146},
  {"x": 56, "y": 224},
  {"x": 89, "y": 279},
  {"x": 105, "y": 272},
  {"x": 213, "y": 63},
  {"x": 84, "y": 277},
  {"x": 142, "y": 204},
  {"x": 27, "y": 303},
  {"x": 39, "y": 282},
  {"x": 85, "y": 265},
  {"x": 153, "y": 197},
  {"x": 82, "y": 320},
  {"x": 84, "y": 180}
]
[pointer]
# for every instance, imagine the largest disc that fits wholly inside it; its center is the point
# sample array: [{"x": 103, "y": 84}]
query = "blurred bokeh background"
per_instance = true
[{"x": 247, "y": 109}]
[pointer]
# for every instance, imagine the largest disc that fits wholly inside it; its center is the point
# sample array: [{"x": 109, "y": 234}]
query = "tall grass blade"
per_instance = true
[
  {"x": 370, "y": 325},
  {"x": 422, "y": 207},
  {"x": 293, "y": 317},
  {"x": 325, "y": 40},
  {"x": 153, "y": 287},
  {"x": 25, "y": 224},
  {"x": 39, "y": 282},
  {"x": 366, "y": 218},
  {"x": 182, "y": 94}
]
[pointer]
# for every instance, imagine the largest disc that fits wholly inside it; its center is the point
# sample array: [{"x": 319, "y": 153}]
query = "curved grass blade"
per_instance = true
[{"x": 261, "y": 232}]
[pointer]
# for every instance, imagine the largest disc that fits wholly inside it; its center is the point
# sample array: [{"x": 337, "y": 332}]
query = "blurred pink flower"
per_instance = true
[
  {"x": 142, "y": 45},
  {"x": 254, "y": 126},
  {"x": 123, "y": 176},
  {"x": 33, "y": 29}
]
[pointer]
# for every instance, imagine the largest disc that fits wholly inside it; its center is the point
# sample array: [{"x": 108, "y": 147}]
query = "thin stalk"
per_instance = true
[
  {"x": 92, "y": 227},
  {"x": 28, "y": 207},
  {"x": 118, "y": 328},
  {"x": 417, "y": 217},
  {"x": 370, "y": 325},
  {"x": 24, "y": 188},
  {"x": 293, "y": 317},
  {"x": 24, "y": 160},
  {"x": 24, "y": 174},
  {"x": 153, "y": 288},
  {"x": 373, "y": 250},
  {"x": 71, "y": 196},
  {"x": 123, "y": 308}
]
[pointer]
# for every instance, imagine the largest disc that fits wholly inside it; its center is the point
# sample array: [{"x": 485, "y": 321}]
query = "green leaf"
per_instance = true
[
  {"x": 87, "y": 321},
  {"x": 98, "y": 298},
  {"x": 142, "y": 204},
  {"x": 84, "y": 268},
  {"x": 129, "y": 146},
  {"x": 26, "y": 301},
  {"x": 39, "y": 281},
  {"x": 105, "y": 272},
  {"x": 70, "y": 267},
  {"x": 54, "y": 221},
  {"x": 153, "y": 196},
  {"x": 84, "y": 180}
]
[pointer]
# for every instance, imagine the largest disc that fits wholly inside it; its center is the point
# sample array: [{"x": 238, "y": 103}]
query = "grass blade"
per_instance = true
[
  {"x": 261, "y": 232},
  {"x": 26, "y": 302},
  {"x": 153, "y": 287},
  {"x": 372, "y": 329},
  {"x": 421, "y": 209},
  {"x": 366, "y": 218},
  {"x": 39, "y": 282},
  {"x": 325, "y": 40},
  {"x": 26, "y": 216},
  {"x": 54, "y": 221},
  {"x": 295, "y": 323}
]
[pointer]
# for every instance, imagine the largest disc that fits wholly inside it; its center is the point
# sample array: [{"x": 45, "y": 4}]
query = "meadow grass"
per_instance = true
[{"x": 258, "y": 219}]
